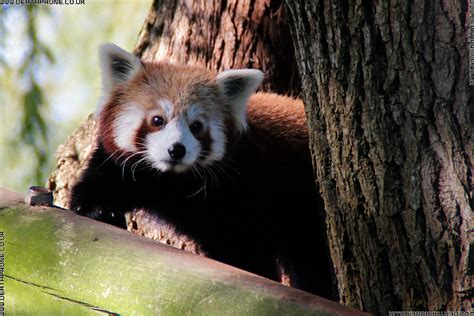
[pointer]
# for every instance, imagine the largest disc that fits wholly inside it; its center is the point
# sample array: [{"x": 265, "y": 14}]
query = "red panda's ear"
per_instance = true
[
  {"x": 237, "y": 86},
  {"x": 117, "y": 65}
]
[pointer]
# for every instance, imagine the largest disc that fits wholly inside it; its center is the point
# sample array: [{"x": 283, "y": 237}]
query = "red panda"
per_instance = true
[{"x": 222, "y": 168}]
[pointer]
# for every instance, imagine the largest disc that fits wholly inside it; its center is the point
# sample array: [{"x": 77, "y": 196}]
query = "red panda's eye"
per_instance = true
[
  {"x": 196, "y": 127},
  {"x": 157, "y": 121}
]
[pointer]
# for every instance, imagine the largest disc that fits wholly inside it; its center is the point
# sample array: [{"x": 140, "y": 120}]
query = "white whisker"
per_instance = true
[{"x": 124, "y": 163}]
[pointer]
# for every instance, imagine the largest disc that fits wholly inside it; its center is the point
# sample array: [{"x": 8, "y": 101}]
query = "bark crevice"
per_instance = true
[{"x": 386, "y": 96}]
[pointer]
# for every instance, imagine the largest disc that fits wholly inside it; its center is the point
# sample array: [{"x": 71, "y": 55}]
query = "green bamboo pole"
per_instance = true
[{"x": 58, "y": 263}]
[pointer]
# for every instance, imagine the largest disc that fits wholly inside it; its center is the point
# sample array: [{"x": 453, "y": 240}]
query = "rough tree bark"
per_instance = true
[
  {"x": 214, "y": 34},
  {"x": 385, "y": 85},
  {"x": 222, "y": 35}
]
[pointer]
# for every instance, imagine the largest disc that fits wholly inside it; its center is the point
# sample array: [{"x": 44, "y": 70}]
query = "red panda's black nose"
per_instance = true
[{"x": 177, "y": 151}]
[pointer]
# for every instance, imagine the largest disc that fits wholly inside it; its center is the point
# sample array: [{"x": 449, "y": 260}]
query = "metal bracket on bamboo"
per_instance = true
[{"x": 38, "y": 195}]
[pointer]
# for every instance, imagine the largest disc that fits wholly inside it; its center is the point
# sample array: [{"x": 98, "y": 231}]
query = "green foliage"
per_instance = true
[
  {"x": 34, "y": 129},
  {"x": 49, "y": 77}
]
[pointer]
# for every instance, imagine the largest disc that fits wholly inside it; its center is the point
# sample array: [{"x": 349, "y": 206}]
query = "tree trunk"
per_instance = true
[
  {"x": 213, "y": 34},
  {"x": 222, "y": 35},
  {"x": 385, "y": 86}
]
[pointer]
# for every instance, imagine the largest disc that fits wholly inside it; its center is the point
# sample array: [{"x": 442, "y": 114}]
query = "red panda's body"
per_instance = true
[{"x": 236, "y": 181}]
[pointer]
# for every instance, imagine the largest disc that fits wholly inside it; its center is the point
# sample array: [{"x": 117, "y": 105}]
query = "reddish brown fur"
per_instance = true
[
  {"x": 181, "y": 85},
  {"x": 184, "y": 85},
  {"x": 283, "y": 116},
  {"x": 262, "y": 206},
  {"x": 106, "y": 120}
]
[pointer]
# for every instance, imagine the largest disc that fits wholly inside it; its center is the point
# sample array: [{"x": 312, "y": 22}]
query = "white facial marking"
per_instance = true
[
  {"x": 213, "y": 122},
  {"x": 216, "y": 129},
  {"x": 158, "y": 143},
  {"x": 167, "y": 107},
  {"x": 126, "y": 124}
]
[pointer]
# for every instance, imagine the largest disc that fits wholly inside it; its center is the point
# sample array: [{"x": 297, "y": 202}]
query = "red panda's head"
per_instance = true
[{"x": 171, "y": 116}]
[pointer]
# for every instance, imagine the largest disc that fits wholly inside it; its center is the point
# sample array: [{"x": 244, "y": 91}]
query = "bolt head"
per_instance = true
[{"x": 38, "y": 195}]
